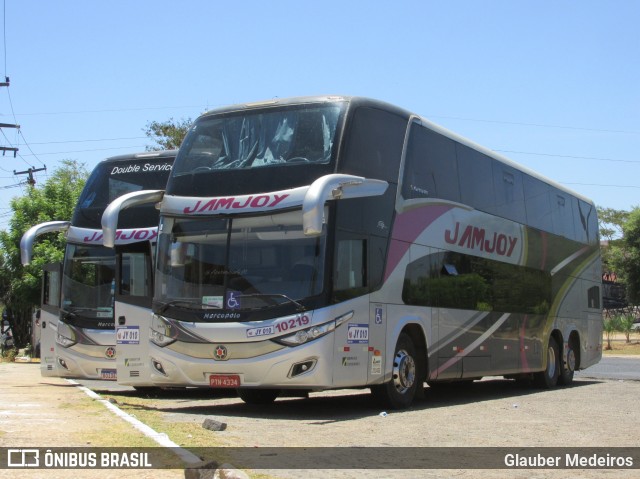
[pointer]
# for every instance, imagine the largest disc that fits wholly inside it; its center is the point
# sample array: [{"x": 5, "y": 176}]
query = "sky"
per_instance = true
[{"x": 553, "y": 85}]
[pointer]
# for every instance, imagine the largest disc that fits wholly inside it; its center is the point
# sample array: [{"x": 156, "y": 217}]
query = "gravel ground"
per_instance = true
[{"x": 38, "y": 411}]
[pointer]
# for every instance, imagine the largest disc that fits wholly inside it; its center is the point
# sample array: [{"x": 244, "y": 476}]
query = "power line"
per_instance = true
[
  {"x": 29, "y": 148},
  {"x": 596, "y": 184},
  {"x": 15, "y": 149},
  {"x": 90, "y": 140},
  {"x": 567, "y": 156},
  {"x": 4, "y": 33},
  {"x": 110, "y": 110},
  {"x": 87, "y": 151},
  {"x": 539, "y": 125}
]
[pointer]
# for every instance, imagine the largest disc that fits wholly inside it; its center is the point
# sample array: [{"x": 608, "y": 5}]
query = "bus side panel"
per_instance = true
[
  {"x": 377, "y": 341},
  {"x": 132, "y": 344},
  {"x": 49, "y": 329},
  {"x": 351, "y": 346},
  {"x": 584, "y": 294}
]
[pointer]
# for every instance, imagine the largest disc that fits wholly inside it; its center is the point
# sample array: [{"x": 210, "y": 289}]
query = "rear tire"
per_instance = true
[
  {"x": 548, "y": 378},
  {"x": 568, "y": 368},
  {"x": 399, "y": 392},
  {"x": 258, "y": 396}
]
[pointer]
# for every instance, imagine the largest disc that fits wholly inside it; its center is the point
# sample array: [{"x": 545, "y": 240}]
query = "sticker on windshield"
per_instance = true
[
  {"x": 215, "y": 301},
  {"x": 263, "y": 331}
]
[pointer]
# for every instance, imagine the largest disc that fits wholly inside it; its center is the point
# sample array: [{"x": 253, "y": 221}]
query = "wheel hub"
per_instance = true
[
  {"x": 571, "y": 360},
  {"x": 404, "y": 371},
  {"x": 551, "y": 366}
]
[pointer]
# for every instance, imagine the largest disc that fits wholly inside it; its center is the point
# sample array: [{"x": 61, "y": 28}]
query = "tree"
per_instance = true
[
  {"x": 611, "y": 325},
  {"x": 19, "y": 285},
  {"x": 611, "y": 223},
  {"x": 630, "y": 260},
  {"x": 168, "y": 134},
  {"x": 625, "y": 324}
]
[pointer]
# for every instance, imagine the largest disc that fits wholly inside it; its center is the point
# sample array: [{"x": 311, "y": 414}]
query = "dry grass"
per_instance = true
[{"x": 619, "y": 345}]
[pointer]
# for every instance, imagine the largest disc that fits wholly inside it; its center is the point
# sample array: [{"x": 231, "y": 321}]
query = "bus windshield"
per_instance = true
[
  {"x": 258, "y": 138},
  {"x": 87, "y": 285},
  {"x": 239, "y": 264}
]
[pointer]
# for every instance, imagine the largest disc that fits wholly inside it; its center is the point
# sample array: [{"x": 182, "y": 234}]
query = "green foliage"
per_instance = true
[
  {"x": 167, "y": 135},
  {"x": 611, "y": 325},
  {"x": 10, "y": 354},
  {"x": 630, "y": 257},
  {"x": 611, "y": 222},
  {"x": 625, "y": 325},
  {"x": 20, "y": 285}
]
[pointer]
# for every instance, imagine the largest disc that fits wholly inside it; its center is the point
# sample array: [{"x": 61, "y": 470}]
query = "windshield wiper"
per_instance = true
[
  {"x": 74, "y": 310},
  {"x": 185, "y": 302},
  {"x": 271, "y": 299}
]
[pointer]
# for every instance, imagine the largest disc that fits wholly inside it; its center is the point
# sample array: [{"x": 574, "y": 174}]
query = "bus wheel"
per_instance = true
[
  {"x": 400, "y": 391},
  {"x": 258, "y": 396},
  {"x": 548, "y": 378},
  {"x": 568, "y": 368}
]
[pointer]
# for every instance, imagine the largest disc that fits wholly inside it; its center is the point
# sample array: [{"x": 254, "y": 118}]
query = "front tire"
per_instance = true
[
  {"x": 548, "y": 378},
  {"x": 399, "y": 392}
]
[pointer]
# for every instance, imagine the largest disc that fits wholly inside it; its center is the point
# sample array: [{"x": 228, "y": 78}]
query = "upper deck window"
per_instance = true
[
  {"x": 260, "y": 138},
  {"x": 111, "y": 179},
  {"x": 115, "y": 177}
]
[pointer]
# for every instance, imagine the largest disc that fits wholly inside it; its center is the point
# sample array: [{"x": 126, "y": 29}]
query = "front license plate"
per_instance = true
[
  {"x": 109, "y": 374},
  {"x": 224, "y": 381}
]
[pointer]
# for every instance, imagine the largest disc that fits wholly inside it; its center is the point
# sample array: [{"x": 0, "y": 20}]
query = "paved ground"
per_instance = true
[
  {"x": 51, "y": 412},
  {"x": 46, "y": 412}
]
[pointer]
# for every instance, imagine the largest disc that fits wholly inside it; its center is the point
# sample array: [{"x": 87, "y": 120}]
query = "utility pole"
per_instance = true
[
  {"x": 4, "y": 149},
  {"x": 30, "y": 180}
]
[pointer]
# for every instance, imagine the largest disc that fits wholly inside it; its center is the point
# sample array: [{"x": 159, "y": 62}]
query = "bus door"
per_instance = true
[
  {"x": 49, "y": 317},
  {"x": 132, "y": 312},
  {"x": 351, "y": 362}
]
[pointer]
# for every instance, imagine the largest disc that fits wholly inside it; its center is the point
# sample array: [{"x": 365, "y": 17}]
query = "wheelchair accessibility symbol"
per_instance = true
[
  {"x": 232, "y": 301},
  {"x": 378, "y": 315}
]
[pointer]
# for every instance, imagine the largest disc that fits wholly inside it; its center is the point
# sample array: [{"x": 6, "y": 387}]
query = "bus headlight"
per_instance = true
[
  {"x": 161, "y": 331},
  {"x": 305, "y": 335},
  {"x": 314, "y": 332},
  {"x": 64, "y": 341},
  {"x": 160, "y": 339}
]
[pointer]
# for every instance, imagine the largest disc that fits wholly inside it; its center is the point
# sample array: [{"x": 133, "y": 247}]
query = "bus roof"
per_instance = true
[
  {"x": 364, "y": 101},
  {"x": 143, "y": 155}
]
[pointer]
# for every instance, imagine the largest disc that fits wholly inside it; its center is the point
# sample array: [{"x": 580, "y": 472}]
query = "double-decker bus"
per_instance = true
[
  {"x": 342, "y": 242},
  {"x": 77, "y": 331}
]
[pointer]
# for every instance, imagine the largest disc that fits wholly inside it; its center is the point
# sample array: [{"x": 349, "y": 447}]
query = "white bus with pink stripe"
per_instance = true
[
  {"x": 333, "y": 242},
  {"x": 76, "y": 319}
]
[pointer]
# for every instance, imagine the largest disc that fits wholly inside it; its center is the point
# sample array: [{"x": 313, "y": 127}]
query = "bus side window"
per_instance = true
[
  {"x": 51, "y": 288},
  {"x": 375, "y": 145},
  {"x": 431, "y": 168},
  {"x": 134, "y": 279}
]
